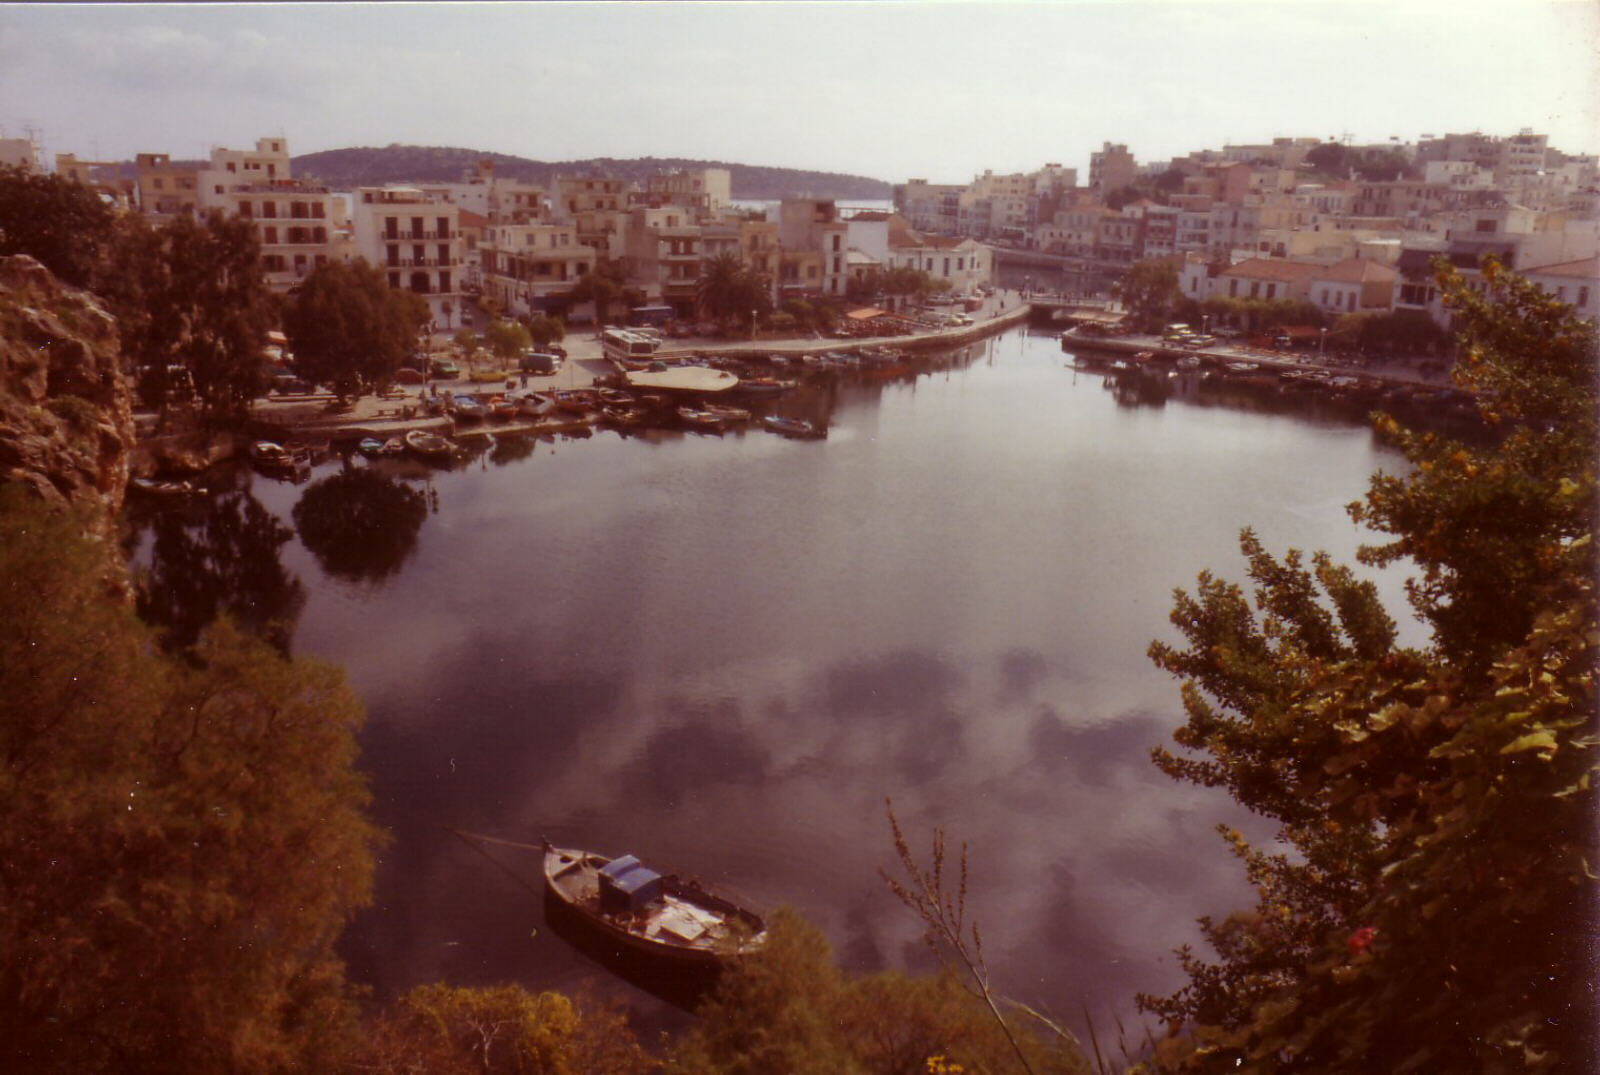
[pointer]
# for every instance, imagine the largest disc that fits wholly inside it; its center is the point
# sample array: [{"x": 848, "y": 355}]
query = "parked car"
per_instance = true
[
  {"x": 446, "y": 368},
  {"x": 407, "y": 375}
]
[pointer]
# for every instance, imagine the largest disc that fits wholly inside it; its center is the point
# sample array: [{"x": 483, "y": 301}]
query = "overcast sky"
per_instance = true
[{"x": 940, "y": 91}]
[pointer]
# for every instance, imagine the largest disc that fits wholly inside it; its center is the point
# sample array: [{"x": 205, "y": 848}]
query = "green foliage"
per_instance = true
[
  {"x": 728, "y": 291},
  {"x": 179, "y": 846},
  {"x": 75, "y": 411},
  {"x": 507, "y": 339},
  {"x": 1373, "y": 165},
  {"x": 789, "y": 1009},
  {"x": 1438, "y": 804},
  {"x": 1263, "y": 315},
  {"x": 1150, "y": 291},
  {"x": 61, "y": 223},
  {"x": 349, "y": 329},
  {"x": 602, "y": 287},
  {"x": 448, "y": 1030},
  {"x": 191, "y": 294},
  {"x": 546, "y": 330},
  {"x": 1398, "y": 332}
]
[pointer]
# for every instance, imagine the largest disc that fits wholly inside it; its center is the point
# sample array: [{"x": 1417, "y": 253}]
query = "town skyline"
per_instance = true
[{"x": 710, "y": 82}]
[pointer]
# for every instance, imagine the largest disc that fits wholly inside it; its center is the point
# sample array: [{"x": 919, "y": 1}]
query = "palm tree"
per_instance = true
[{"x": 602, "y": 287}]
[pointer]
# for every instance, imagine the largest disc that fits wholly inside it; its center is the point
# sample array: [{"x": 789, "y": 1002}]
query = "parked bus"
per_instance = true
[
  {"x": 627, "y": 346},
  {"x": 652, "y": 316}
]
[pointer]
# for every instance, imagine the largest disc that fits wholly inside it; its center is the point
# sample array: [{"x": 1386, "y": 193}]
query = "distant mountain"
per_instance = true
[{"x": 360, "y": 166}]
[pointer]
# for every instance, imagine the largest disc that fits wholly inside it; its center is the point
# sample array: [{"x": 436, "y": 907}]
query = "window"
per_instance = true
[
  {"x": 1583, "y": 297},
  {"x": 269, "y": 235},
  {"x": 269, "y": 210},
  {"x": 1485, "y": 225}
]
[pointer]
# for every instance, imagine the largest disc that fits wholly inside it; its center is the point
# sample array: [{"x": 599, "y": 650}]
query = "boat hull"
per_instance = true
[{"x": 572, "y": 882}]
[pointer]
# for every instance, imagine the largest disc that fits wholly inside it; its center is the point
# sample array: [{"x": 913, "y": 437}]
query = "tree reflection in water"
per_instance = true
[
  {"x": 360, "y": 524},
  {"x": 220, "y": 556},
  {"x": 510, "y": 449}
]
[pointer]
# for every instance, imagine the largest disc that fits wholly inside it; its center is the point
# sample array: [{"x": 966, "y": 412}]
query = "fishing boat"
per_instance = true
[
  {"x": 468, "y": 408},
  {"x": 763, "y": 386},
  {"x": 795, "y": 427},
  {"x": 536, "y": 404},
  {"x": 393, "y": 446},
  {"x": 650, "y": 914},
  {"x": 370, "y": 446},
  {"x": 700, "y": 419},
  {"x": 156, "y": 487},
  {"x": 273, "y": 458},
  {"x": 429, "y": 445}
]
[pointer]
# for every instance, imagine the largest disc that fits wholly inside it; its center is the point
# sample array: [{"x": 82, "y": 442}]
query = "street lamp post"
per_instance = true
[{"x": 1322, "y": 343}]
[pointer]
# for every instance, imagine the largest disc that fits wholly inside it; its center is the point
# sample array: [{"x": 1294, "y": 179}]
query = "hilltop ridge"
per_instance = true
[{"x": 374, "y": 165}]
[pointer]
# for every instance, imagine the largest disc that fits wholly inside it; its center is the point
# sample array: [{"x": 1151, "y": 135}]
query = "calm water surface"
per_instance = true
[{"x": 723, "y": 653}]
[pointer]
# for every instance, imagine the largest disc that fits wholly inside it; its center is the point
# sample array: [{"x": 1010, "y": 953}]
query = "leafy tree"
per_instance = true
[
  {"x": 1330, "y": 158},
  {"x": 546, "y": 330},
  {"x": 1150, "y": 290},
  {"x": 191, "y": 294},
  {"x": 61, "y": 223},
  {"x": 507, "y": 339},
  {"x": 728, "y": 291},
  {"x": 179, "y": 846},
  {"x": 787, "y": 1008},
  {"x": 1439, "y": 802},
  {"x": 602, "y": 286},
  {"x": 360, "y": 524},
  {"x": 450, "y": 1030},
  {"x": 349, "y": 329}
]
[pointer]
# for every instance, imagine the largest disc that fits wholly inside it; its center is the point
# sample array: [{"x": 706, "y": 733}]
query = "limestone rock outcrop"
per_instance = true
[{"x": 66, "y": 410}]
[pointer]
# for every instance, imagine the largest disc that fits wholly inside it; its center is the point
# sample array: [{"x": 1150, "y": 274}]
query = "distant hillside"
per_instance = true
[{"x": 372, "y": 166}]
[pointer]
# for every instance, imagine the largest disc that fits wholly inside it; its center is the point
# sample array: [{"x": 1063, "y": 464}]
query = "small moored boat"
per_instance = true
[
  {"x": 429, "y": 445},
  {"x": 795, "y": 427},
  {"x": 648, "y": 913}
]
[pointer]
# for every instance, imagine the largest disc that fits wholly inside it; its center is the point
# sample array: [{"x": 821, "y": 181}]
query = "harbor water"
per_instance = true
[{"x": 724, "y": 654}]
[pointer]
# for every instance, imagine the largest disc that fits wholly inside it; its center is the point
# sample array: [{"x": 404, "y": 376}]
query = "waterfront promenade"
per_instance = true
[{"x": 311, "y": 417}]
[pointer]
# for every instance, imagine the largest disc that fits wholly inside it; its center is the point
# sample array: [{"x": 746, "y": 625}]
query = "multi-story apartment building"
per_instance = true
[
  {"x": 1193, "y": 228},
  {"x": 301, "y": 225},
  {"x": 1159, "y": 236},
  {"x": 495, "y": 198},
  {"x": 1111, "y": 168},
  {"x": 415, "y": 238},
  {"x": 704, "y": 192},
  {"x": 662, "y": 256},
  {"x": 230, "y": 169},
  {"x": 929, "y": 207},
  {"x": 19, "y": 153},
  {"x": 813, "y": 225},
  {"x": 598, "y": 207},
  {"x": 1521, "y": 155},
  {"x": 166, "y": 190},
  {"x": 529, "y": 269}
]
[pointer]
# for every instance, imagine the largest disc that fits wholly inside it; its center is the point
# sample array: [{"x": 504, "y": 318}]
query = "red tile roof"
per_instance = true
[
  {"x": 1271, "y": 269},
  {"x": 1358, "y": 271}
]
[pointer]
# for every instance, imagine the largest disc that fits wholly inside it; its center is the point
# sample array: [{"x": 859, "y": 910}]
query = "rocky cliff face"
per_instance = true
[{"x": 66, "y": 418}]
